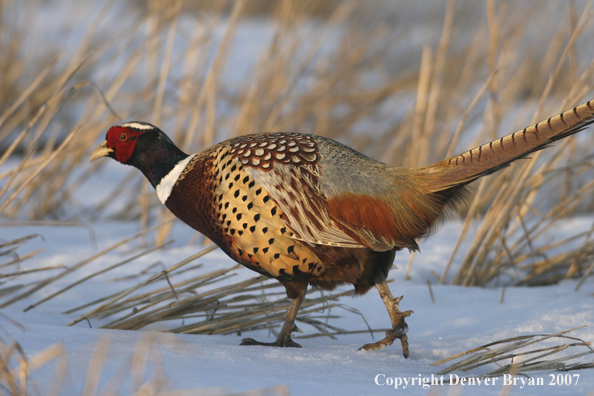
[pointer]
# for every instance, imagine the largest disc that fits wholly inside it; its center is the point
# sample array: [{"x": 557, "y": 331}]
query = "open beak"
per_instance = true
[{"x": 101, "y": 151}]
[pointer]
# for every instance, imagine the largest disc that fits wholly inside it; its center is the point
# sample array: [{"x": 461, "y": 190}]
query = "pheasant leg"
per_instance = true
[
  {"x": 284, "y": 338},
  {"x": 399, "y": 326}
]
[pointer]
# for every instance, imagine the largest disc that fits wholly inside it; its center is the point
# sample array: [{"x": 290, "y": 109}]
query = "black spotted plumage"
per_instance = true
[{"x": 308, "y": 210}]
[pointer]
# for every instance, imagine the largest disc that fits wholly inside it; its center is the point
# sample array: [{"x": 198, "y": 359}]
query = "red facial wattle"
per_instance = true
[
  {"x": 307, "y": 210},
  {"x": 122, "y": 140}
]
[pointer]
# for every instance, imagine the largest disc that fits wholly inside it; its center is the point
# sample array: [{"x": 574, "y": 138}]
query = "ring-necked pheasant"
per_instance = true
[{"x": 307, "y": 210}]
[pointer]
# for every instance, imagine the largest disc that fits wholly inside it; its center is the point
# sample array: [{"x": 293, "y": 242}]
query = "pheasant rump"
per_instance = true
[{"x": 307, "y": 210}]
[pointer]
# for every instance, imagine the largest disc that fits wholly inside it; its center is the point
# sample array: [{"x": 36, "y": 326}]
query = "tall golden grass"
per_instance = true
[
  {"x": 403, "y": 83},
  {"x": 349, "y": 74}
]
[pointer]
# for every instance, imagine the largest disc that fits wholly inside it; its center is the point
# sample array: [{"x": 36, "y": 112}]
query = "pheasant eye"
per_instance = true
[{"x": 123, "y": 137}]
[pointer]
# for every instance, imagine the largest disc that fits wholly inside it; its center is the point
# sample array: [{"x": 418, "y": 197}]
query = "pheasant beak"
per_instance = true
[{"x": 101, "y": 151}]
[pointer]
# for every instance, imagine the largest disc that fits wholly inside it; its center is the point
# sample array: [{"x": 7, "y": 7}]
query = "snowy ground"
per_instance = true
[{"x": 460, "y": 319}]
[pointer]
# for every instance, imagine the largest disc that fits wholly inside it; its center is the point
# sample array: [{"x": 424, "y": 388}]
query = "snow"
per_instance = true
[{"x": 461, "y": 318}]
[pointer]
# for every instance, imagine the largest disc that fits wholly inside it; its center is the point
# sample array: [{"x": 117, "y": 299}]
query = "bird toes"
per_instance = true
[
  {"x": 398, "y": 331},
  {"x": 376, "y": 346},
  {"x": 285, "y": 343}
]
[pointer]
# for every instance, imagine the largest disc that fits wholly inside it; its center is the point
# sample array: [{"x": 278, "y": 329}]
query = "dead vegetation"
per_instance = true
[
  {"x": 134, "y": 375},
  {"x": 357, "y": 75},
  {"x": 336, "y": 77},
  {"x": 524, "y": 354}
]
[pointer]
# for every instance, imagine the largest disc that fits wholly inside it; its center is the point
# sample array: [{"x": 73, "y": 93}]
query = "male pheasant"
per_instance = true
[{"x": 304, "y": 209}]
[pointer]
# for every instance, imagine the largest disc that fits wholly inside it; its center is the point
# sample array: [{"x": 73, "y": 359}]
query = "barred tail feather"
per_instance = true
[{"x": 466, "y": 167}]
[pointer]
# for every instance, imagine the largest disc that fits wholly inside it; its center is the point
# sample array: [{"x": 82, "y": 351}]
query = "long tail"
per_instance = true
[{"x": 462, "y": 169}]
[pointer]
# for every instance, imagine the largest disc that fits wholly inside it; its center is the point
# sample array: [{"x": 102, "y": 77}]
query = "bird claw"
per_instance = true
[
  {"x": 285, "y": 343},
  {"x": 376, "y": 346},
  {"x": 389, "y": 340},
  {"x": 398, "y": 331}
]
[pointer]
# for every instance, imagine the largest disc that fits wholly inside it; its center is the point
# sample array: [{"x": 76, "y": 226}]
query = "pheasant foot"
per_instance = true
[
  {"x": 284, "y": 343},
  {"x": 284, "y": 338},
  {"x": 399, "y": 326}
]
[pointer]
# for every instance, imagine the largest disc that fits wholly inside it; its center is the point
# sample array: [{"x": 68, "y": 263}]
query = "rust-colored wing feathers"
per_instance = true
[
  {"x": 366, "y": 205},
  {"x": 372, "y": 205},
  {"x": 396, "y": 218},
  {"x": 488, "y": 158}
]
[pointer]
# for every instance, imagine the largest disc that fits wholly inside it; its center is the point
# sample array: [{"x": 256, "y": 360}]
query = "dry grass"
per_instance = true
[
  {"x": 206, "y": 303},
  {"x": 166, "y": 66},
  {"x": 355, "y": 73},
  {"x": 184, "y": 298},
  {"x": 134, "y": 376},
  {"x": 524, "y": 355}
]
